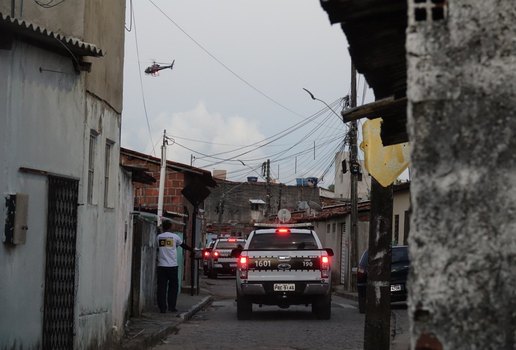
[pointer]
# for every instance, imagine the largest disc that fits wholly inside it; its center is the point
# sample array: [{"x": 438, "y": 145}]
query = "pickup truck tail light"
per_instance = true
[
  {"x": 325, "y": 266},
  {"x": 243, "y": 266},
  {"x": 216, "y": 255}
]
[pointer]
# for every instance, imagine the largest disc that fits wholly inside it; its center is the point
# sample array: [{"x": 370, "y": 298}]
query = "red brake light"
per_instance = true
[
  {"x": 206, "y": 254},
  {"x": 283, "y": 230},
  {"x": 216, "y": 254},
  {"x": 325, "y": 266},
  {"x": 231, "y": 239},
  {"x": 242, "y": 267}
]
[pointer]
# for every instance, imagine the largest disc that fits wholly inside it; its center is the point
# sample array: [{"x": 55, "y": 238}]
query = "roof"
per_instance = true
[
  {"x": 139, "y": 174},
  {"x": 179, "y": 167},
  {"x": 375, "y": 30},
  {"x": 45, "y": 37}
]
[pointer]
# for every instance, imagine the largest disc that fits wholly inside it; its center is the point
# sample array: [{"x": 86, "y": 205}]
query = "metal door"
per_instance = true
[{"x": 58, "y": 313}]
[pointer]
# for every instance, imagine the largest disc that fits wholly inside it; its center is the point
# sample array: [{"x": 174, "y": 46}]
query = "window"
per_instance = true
[
  {"x": 396, "y": 228},
  {"x": 334, "y": 227},
  {"x": 430, "y": 10},
  {"x": 91, "y": 164},
  {"x": 328, "y": 227},
  {"x": 107, "y": 166},
  {"x": 257, "y": 204},
  {"x": 294, "y": 240}
]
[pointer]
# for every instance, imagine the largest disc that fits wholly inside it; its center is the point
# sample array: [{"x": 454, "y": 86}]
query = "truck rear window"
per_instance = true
[
  {"x": 229, "y": 245},
  {"x": 292, "y": 241}
]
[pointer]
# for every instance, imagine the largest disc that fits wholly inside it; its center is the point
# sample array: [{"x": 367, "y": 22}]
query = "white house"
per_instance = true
[{"x": 65, "y": 236}]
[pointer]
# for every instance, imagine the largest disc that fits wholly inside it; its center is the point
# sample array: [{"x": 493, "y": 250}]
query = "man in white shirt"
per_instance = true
[{"x": 168, "y": 283}]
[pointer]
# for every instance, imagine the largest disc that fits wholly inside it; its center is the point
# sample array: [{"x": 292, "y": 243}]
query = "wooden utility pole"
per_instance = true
[
  {"x": 378, "y": 295},
  {"x": 353, "y": 173}
]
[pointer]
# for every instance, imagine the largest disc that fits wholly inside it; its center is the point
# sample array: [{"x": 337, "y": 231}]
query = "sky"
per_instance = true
[{"x": 235, "y": 97}]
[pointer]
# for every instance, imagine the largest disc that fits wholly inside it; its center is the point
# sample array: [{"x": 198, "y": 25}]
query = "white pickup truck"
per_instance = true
[{"x": 283, "y": 265}]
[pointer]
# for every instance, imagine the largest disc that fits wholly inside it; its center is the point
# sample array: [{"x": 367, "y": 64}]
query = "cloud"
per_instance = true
[{"x": 196, "y": 132}]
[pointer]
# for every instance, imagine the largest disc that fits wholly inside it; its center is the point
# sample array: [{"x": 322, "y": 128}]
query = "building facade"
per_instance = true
[
  {"x": 60, "y": 102},
  {"x": 234, "y": 207}
]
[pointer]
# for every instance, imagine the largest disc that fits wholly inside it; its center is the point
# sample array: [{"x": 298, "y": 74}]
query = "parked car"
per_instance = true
[
  {"x": 206, "y": 254},
  {"x": 220, "y": 260},
  {"x": 400, "y": 265}
]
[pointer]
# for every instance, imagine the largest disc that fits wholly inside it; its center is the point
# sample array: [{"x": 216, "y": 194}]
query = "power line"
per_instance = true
[
  {"x": 141, "y": 84},
  {"x": 223, "y": 64}
]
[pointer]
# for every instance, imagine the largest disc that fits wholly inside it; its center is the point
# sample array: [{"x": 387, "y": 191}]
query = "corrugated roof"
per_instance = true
[
  {"x": 375, "y": 30},
  {"x": 46, "y": 37}
]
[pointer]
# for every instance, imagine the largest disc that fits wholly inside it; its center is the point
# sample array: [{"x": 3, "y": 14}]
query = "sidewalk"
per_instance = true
[{"x": 149, "y": 329}]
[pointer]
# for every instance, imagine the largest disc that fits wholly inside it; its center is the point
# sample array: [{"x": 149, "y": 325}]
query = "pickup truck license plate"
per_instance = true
[
  {"x": 395, "y": 287},
  {"x": 284, "y": 287}
]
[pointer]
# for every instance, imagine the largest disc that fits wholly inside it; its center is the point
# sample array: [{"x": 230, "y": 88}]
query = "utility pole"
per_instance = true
[
  {"x": 354, "y": 168},
  {"x": 267, "y": 173},
  {"x": 162, "y": 176}
]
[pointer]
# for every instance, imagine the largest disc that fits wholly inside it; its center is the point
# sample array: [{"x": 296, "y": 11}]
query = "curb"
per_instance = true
[
  {"x": 185, "y": 316},
  {"x": 156, "y": 337}
]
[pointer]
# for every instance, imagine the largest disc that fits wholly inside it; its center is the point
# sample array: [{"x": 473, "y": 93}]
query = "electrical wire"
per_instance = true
[
  {"x": 223, "y": 64},
  {"x": 48, "y": 5},
  {"x": 271, "y": 139},
  {"x": 141, "y": 84}
]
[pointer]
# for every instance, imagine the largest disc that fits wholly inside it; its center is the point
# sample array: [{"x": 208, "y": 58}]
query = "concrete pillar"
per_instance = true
[{"x": 462, "y": 125}]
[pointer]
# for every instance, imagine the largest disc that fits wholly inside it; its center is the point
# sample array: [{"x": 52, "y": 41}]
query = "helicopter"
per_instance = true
[{"x": 156, "y": 67}]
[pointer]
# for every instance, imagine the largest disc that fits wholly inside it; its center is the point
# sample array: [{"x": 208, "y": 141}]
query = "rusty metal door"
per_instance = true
[{"x": 58, "y": 313}]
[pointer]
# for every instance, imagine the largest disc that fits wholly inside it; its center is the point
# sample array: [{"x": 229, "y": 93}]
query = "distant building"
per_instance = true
[
  {"x": 343, "y": 181},
  {"x": 233, "y": 207}
]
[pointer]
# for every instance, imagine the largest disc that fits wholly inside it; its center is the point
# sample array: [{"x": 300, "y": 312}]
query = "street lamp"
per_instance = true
[{"x": 345, "y": 98}]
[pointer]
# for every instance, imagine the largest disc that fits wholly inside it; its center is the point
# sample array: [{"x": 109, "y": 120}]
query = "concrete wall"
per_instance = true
[
  {"x": 462, "y": 125},
  {"x": 46, "y": 120},
  {"x": 39, "y": 130},
  {"x": 335, "y": 233},
  {"x": 96, "y": 240},
  {"x": 106, "y": 77},
  {"x": 123, "y": 257},
  {"x": 237, "y": 207}
]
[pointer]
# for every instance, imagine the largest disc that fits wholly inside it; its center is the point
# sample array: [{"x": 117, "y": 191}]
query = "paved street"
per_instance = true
[{"x": 216, "y": 327}]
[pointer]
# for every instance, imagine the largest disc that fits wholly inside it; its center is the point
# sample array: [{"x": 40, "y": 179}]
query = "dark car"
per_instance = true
[
  {"x": 220, "y": 260},
  {"x": 400, "y": 265},
  {"x": 206, "y": 254}
]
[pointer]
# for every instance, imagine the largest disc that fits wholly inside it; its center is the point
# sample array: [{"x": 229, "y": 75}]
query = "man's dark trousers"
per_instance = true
[{"x": 167, "y": 288}]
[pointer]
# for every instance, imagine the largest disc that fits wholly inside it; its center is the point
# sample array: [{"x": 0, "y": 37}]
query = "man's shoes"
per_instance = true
[{"x": 172, "y": 310}]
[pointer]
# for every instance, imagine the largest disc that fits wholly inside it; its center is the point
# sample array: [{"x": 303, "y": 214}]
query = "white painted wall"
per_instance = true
[
  {"x": 342, "y": 181},
  {"x": 124, "y": 246},
  {"x": 97, "y": 235},
  {"x": 40, "y": 129},
  {"x": 46, "y": 119}
]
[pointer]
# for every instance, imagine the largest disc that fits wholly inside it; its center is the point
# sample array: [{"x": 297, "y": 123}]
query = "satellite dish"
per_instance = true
[{"x": 284, "y": 215}]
